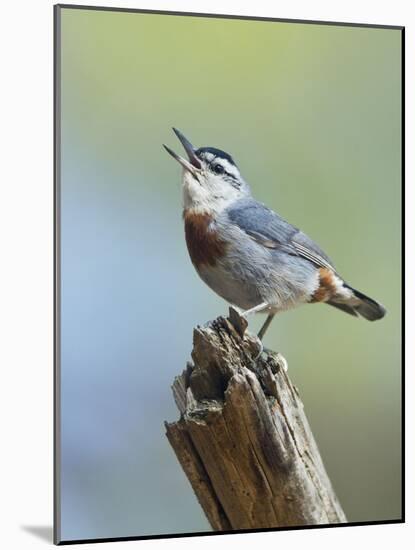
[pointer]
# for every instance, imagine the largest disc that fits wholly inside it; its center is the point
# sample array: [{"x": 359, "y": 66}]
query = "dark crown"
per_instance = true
[{"x": 216, "y": 152}]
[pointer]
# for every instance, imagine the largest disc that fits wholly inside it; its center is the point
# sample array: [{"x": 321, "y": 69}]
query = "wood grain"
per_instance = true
[{"x": 243, "y": 439}]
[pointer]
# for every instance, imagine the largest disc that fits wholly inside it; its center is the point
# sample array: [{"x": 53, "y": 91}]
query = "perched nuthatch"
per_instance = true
[{"x": 247, "y": 253}]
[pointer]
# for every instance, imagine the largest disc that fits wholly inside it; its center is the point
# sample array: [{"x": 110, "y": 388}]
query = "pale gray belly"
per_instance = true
[{"x": 247, "y": 280}]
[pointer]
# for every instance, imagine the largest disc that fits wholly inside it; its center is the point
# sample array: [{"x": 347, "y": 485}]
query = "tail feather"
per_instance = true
[
  {"x": 344, "y": 307},
  {"x": 368, "y": 308},
  {"x": 360, "y": 304}
]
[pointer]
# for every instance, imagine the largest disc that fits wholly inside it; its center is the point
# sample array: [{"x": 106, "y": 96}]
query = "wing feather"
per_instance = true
[{"x": 271, "y": 231}]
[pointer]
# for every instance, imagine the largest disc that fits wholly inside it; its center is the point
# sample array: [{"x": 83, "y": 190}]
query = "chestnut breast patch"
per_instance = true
[{"x": 203, "y": 243}]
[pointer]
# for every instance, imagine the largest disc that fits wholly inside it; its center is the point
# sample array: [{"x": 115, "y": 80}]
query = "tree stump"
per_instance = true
[{"x": 243, "y": 439}]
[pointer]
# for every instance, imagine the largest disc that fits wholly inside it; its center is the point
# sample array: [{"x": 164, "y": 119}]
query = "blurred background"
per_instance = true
[{"x": 311, "y": 113}]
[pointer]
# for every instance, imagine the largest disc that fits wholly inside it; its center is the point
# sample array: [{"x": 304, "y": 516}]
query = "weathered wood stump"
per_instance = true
[{"x": 243, "y": 439}]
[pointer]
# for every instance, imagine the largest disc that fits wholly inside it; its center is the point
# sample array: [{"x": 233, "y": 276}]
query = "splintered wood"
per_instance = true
[{"x": 243, "y": 439}]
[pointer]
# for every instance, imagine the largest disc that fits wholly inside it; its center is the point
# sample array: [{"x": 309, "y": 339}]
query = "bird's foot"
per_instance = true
[
  {"x": 240, "y": 324},
  {"x": 278, "y": 357}
]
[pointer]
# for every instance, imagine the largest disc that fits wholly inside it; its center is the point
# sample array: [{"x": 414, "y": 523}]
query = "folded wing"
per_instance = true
[{"x": 271, "y": 231}]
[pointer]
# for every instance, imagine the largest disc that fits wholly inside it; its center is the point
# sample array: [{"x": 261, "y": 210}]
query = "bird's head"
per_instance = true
[{"x": 211, "y": 179}]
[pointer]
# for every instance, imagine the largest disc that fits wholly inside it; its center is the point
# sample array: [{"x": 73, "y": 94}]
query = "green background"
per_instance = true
[{"x": 311, "y": 114}]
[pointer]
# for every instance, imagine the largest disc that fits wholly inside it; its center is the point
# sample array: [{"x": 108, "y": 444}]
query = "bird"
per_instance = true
[{"x": 247, "y": 253}]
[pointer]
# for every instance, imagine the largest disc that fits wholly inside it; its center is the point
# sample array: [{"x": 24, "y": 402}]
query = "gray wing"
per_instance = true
[{"x": 271, "y": 231}]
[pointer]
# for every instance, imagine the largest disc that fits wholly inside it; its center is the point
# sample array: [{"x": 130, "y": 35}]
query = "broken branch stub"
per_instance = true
[{"x": 243, "y": 439}]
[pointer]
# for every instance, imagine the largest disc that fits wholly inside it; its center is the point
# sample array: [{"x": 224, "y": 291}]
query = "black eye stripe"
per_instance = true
[
  {"x": 217, "y": 168},
  {"x": 215, "y": 165}
]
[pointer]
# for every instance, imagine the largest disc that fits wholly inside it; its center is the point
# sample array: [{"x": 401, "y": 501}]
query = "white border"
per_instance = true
[{"x": 26, "y": 266}]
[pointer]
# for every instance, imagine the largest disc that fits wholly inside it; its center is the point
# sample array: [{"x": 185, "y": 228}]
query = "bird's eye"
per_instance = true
[{"x": 218, "y": 169}]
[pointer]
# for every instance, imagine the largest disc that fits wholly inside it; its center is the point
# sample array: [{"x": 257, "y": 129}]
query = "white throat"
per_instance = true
[{"x": 206, "y": 196}]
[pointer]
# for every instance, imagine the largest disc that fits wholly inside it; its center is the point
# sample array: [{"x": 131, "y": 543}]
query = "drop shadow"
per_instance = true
[{"x": 44, "y": 532}]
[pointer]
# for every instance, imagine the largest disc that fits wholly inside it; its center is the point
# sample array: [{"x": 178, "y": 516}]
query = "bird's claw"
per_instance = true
[
  {"x": 240, "y": 324},
  {"x": 280, "y": 359}
]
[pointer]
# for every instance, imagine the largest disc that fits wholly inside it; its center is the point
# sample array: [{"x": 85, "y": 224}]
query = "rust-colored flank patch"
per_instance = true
[
  {"x": 203, "y": 243},
  {"x": 327, "y": 287}
]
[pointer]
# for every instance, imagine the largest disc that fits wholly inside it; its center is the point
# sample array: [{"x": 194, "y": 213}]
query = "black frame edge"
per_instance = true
[
  {"x": 236, "y": 532},
  {"x": 403, "y": 268},
  {"x": 56, "y": 276},
  {"x": 227, "y": 16}
]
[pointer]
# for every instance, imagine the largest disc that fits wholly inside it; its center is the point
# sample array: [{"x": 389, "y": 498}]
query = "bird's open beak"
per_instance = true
[{"x": 193, "y": 165}]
